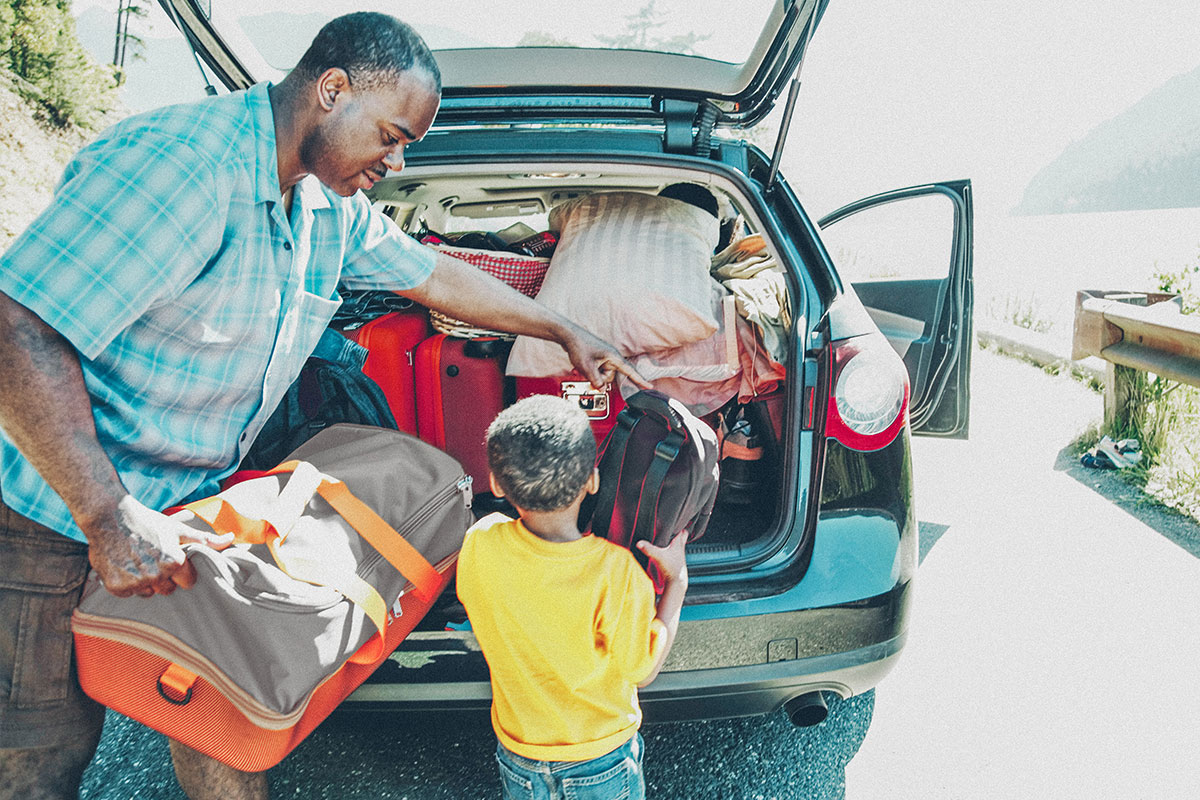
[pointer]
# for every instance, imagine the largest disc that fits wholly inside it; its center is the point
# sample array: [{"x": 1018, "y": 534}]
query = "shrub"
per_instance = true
[{"x": 38, "y": 44}]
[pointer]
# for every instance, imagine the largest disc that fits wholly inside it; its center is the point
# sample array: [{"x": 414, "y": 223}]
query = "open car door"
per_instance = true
[{"x": 907, "y": 253}]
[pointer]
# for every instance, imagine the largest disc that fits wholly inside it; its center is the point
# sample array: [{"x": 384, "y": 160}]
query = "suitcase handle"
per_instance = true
[{"x": 490, "y": 347}]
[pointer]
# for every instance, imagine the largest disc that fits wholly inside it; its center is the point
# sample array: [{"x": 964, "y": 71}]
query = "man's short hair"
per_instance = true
[
  {"x": 693, "y": 194},
  {"x": 541, "y": 451},
  {"x": 374, "y": 49}
]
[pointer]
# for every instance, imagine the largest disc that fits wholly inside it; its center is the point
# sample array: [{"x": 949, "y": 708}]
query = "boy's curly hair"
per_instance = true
[{"x": 541, "y": 451}]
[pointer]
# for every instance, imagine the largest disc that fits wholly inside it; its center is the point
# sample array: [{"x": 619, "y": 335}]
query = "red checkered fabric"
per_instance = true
[{"x": 523, "y": 273}]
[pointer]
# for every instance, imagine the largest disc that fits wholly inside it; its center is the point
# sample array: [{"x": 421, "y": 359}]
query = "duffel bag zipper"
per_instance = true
[
  {"x": 272, "y": 601},
  {"x": 423, "y": 514}
]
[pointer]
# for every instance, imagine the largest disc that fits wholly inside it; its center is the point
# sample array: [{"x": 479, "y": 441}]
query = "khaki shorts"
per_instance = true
[{"x": 41, "y": 578}]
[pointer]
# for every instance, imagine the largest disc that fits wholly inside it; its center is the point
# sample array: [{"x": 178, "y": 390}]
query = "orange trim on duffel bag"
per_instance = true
[
  {"x": 175, "y": 684},
  {"x": 126, "y": 679}
]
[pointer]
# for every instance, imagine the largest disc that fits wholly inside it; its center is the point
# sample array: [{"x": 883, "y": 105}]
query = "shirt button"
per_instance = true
[{"x": 287, "y": 245}]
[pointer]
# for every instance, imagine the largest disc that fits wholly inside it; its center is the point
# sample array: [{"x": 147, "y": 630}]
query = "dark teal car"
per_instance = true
[{"x": 804, "y": 592}]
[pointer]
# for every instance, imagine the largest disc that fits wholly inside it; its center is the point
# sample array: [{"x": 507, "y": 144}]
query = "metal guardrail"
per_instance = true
[{"x": 1135, "y": 331}]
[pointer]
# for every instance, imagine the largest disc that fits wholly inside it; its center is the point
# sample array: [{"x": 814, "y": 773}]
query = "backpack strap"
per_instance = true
[
  {"x": 665, "y": 453},
  {"x": 606, "y": 498}
]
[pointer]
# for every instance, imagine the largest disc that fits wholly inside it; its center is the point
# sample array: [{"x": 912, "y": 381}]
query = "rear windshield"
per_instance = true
[{"x": 715, "y": 29}]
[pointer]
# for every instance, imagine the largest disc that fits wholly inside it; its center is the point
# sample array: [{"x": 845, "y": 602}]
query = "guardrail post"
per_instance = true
[
  {"x": 1117, "y": 383},
  {"x": 1135, "y": 332}
]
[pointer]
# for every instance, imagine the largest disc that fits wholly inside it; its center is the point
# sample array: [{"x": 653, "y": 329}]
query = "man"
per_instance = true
[{"x": 152, "y": 317}]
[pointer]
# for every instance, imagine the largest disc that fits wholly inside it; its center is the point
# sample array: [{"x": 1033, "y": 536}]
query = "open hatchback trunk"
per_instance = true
[
  {"x": 801, "y": 579},
  {"x": 496, "y": 199}
]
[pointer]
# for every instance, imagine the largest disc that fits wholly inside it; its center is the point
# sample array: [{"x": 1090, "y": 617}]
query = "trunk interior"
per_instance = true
[{"x": 504, "y": 211}]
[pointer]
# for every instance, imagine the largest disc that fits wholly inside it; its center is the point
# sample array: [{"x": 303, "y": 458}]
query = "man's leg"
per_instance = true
[
  {"x": 205, "y": 778},
  {"x": 49, "y": 728},
  {"x": 45, "y": 773}
]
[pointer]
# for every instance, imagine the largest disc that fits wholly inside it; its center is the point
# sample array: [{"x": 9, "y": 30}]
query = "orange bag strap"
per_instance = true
[
  {"x": 392, "y": 546},
  {"x": 224, "y": 518}
]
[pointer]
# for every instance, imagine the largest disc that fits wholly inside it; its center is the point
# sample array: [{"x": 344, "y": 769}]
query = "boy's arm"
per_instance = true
[{"x": 672, "y": 564}]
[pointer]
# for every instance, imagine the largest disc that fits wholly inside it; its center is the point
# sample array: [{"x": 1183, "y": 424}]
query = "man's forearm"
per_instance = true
[
  {"x": 465, "y": 292},
  {"x": 45, "y": 410},
  {"x": 460, "y": 290}
]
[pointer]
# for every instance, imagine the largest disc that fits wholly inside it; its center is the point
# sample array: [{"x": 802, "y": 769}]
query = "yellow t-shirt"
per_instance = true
[{"x": 568, "y": 630}]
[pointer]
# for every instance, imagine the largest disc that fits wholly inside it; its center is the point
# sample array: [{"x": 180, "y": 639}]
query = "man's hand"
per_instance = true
[
  {"x": 138, "y": 550},
  {"x": 670, "y": 560},
  {"x": 470, "y": 294},
  {"x": 597, "y": 360}
]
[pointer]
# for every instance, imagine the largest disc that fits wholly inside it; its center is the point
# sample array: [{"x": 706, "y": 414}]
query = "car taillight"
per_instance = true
[{"x": 868, "y": 397}]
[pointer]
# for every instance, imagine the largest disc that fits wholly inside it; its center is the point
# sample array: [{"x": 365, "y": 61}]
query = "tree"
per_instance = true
[
  {"x": 543, "y": 39},
  {"x": 127, "y": 9},
  {"x": 638, "y": 29},
  {"x": 38, "y": 44}
]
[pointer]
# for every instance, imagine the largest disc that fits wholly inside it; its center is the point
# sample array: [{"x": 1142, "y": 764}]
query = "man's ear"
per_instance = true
[
  {"x": 331, "y": 83},
  {"x": 593, "y": 482},
  {"x": 496, "y": 490}
]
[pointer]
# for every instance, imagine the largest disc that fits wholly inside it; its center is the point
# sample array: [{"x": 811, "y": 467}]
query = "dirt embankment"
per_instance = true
[{"x": 32, "y": 157}]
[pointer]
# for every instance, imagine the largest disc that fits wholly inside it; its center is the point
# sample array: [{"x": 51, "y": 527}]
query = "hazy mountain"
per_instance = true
[{"x": 1146, "y": 157}]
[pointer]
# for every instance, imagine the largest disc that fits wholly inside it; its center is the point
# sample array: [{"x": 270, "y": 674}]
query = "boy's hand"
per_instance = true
[{"x": 671, "y": 560}]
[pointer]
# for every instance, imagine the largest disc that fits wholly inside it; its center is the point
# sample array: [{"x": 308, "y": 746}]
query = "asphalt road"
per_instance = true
[
  {"x": 1053, "y": 648},
  {"x": 388, "y": 758}
]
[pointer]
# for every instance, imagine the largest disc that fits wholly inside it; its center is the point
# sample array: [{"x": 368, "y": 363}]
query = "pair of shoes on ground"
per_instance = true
[{"x": 1108, "y": 454}]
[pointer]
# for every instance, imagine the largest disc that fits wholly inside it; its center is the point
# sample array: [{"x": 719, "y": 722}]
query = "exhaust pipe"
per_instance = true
[{"x": 807, "y": 710}]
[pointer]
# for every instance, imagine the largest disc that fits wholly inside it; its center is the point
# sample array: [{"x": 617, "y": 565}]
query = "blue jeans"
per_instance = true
[{"x": 613, "y": 776}]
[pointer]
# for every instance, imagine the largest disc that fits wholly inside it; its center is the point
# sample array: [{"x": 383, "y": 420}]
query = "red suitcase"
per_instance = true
[
  {"x": 460, "y": 390},
  {"x": 392, "y": 341},
  {"x": 601, "y": 405}
]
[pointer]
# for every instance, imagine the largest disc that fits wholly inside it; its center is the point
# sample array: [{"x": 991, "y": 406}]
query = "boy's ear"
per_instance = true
[
  {"x": 496, "y": 490},
  {"x": 593, "y": 482}
]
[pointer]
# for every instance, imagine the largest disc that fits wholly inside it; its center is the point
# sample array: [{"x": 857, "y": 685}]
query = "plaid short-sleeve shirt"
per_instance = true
[{"x": 167, "y": 259}]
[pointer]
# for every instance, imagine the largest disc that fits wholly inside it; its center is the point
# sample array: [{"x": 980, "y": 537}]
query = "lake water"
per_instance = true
[{"x": 1037, "y": 263}]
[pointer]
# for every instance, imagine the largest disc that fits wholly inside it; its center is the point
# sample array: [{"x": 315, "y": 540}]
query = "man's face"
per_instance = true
[{"x": 363, "y": 132}]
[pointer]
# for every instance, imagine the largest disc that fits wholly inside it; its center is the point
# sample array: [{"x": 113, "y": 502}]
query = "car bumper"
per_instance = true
[{"x": 845, "y": 650}]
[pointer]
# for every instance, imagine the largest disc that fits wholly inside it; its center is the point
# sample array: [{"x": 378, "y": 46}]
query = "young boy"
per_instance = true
[{"x": 567, "y": 622}]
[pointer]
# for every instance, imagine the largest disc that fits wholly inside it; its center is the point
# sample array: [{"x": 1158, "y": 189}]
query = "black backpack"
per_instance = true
[
  {"x": 331, "y": 388},
  {"x": 658, "y": 474}
]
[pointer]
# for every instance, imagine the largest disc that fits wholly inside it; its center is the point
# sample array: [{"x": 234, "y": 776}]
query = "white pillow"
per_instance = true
[{"x": 631, "y": 268}]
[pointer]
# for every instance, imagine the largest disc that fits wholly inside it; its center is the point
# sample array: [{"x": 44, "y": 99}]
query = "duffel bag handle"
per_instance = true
[
  {"x": 294, "y": 497},
  {"x": 223, "y": 518},
  {"x": 276, "y": 524}
]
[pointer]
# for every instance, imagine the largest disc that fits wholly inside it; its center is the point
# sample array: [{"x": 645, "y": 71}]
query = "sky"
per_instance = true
[{"x": 901, "y": 94}]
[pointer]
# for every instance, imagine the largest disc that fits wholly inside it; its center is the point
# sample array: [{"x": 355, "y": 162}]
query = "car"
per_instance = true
[{"x": 804, "y": 594}]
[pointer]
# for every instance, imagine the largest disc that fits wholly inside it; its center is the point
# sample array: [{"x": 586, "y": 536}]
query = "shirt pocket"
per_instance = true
[{"x": 304, "y": 320}]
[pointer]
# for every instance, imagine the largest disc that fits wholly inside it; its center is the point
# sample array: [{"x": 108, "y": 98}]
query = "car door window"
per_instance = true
[{"x": 909, "y": 239}]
